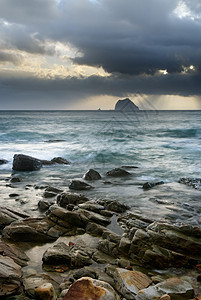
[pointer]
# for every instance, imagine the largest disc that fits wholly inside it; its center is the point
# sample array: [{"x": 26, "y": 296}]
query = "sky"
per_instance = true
[{"x": 87, "y": 54}]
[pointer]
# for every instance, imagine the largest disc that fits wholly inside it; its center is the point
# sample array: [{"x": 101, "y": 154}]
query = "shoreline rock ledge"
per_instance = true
[{"x": 126, "y": 105}]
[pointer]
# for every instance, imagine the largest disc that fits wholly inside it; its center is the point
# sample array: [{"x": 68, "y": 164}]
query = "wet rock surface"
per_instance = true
[{"x": 3, "y": 161}]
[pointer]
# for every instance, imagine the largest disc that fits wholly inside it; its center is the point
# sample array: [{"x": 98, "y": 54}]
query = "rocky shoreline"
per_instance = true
[{"x": 95, "y": 249}]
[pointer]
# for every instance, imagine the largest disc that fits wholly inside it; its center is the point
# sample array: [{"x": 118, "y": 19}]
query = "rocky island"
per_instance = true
[{"x": 126, "y": 105}]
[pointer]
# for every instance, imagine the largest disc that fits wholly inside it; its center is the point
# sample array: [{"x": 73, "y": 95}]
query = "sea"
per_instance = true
[{"x": 163, "y": 145}]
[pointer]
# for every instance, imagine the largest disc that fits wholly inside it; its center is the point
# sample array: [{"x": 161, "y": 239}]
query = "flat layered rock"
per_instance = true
[
  {"x": 29, "y": 230},
  {"x": 129, "y": 283},
  {"x": 8, "y": 215},
  {"x": 174, "y": 287},
  {"x": 15, "y": 253},
  {"x": 10, "y": 276},
  {"x": 164, "y": 245}
]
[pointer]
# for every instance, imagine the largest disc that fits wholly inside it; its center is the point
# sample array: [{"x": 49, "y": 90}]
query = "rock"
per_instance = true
[
  {"x": 45, "y": 292},
  {"x": 60, "y": 160},
  {"x": 113, "y": 205},
  {"x": 124, "y": 245},
  {"x": 85, "y": 272},
  {"x": 176, "y": 288},
  {"x": 126, "y": 105},
  {"x": 3, "y": 161},
  {"x": 70, "y": 198},
  {"x": 15, "y": 179},
  {"x": 58, "y": 254},
  {"x": 55, "y": 160},
  {"x": 62, "y": 254},
  {"x": 149, "y": 185},
  {"x": 52, "y": 189},
  {"x": 192, "y": 182},
  {"x": 48, "y": 194},
  {"x": 94, "y": 217},
  {"x": 197, "y": 298},
  {"x": 89, "y": 288},
  {"x": 10, "y": 276},
  {"x": 79, "y": 185},
  {"x": 92, "y": 175},
  {"x": 118, "y": 172},
  {"x": 13, "y": 195},
  {"x": 108, "y": 247},
  {"x": 164, "y": 246},
  {"x": 32, "y": 282},
  {"x": 14, "y": 252},
  {"x": 43, "y": 205},
  {"x": 7, "y": 216},
  {"x": 29, "y": 230},
  {"x": 24, "y": 163},
  {"x": 129, "y": 283}
]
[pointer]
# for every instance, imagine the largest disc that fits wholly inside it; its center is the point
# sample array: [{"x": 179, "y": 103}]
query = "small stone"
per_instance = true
[
  {"x": 15, "y": 179},
  {"x": 3, "y": 161},
  {"x": 46, "y": 292},
  {"x": 13, "y": 195}
]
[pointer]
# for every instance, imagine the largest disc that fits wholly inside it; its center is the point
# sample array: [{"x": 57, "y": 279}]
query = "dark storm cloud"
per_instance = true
[{"x": 132, "y": 39}]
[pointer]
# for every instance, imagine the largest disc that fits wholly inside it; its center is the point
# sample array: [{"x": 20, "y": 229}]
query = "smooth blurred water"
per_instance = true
[{"x": 165, "y": 145}]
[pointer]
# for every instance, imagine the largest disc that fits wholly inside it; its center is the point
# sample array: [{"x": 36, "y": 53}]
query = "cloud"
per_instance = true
[{"x": 131, "y": 40}]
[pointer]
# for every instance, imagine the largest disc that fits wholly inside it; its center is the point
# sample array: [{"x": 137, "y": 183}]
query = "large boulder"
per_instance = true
[
  {"x": 89, "y": 288},
  {"x": 10, "y": 276},
  {"x": 26, "y": 163},
  {"x": 126, "y": 105}
]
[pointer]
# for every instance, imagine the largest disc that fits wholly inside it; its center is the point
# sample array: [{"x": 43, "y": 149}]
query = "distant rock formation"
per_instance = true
[{"x": 126, "y": 105}]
